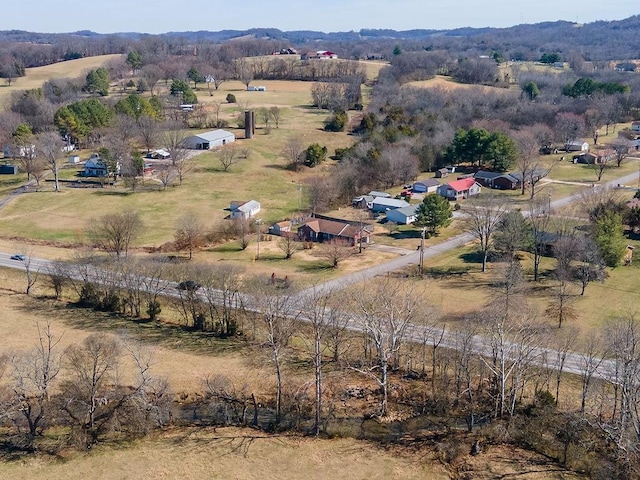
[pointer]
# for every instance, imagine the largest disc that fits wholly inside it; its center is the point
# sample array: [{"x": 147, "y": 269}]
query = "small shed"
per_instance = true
[
  {"x": 442, "y": 172},
  {"x": 244, "y": 210},
  {"x": 74, "y": 159}
]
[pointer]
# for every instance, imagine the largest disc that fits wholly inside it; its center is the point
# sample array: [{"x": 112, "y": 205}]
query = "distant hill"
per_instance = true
[{"x": 595, "y": 41}]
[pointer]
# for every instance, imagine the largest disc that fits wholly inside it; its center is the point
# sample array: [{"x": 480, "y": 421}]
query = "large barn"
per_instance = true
[{"x": 209, "y": 140}]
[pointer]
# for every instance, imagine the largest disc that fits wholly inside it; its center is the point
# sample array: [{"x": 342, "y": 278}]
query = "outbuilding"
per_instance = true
[
  {"x": 209, "y": 140},
  {"x": 403, "y": 216},
  {"x": 381, "y": 204},
  {"x": 430, "y": 185}
]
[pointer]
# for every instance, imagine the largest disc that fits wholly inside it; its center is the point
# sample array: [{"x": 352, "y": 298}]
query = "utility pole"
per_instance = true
[
  {"x": 422, "y": 235},
  {"x": 258, "y": 223}
]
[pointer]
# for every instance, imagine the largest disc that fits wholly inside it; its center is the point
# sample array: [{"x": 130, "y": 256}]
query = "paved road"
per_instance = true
[{"x": 574, "y": 361}]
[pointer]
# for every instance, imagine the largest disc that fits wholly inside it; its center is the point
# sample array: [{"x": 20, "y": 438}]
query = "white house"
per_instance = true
[
  {"x": 244, "y": 209},
  {"x": 381, "y": 204},
  {"x": 209, "y": 140},
  {"x": 403, "y": 216}
]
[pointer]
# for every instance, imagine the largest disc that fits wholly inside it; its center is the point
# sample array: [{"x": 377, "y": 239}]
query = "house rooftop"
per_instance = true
[{"x": 463, "y": 184}]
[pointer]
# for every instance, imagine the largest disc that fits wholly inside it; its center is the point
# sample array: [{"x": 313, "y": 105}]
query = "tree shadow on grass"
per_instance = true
[
  {"x": 405, "y": 234},
  {"x": 315, "y": 266},
  {"x": 146, "y": 331},
  {"x": 112, "y": 193}
]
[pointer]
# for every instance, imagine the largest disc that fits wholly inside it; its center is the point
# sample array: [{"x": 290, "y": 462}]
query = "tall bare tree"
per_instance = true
[
  {"x": 173, "y": 139},
  {"x": 115, "y": 232},
  {"x": 482, "y": 219},
  {"x": 334, "y": 251},
  {"x": 189, "y": 233},
  {"x": 49, "y": 145},
  {"x": 228, "y": 156},
  {"x": 279, "y": 319},
  {"x": 293, "y": 152},
  {"x": 33, "y": 376},
  {"x": 384, "y": 311}
]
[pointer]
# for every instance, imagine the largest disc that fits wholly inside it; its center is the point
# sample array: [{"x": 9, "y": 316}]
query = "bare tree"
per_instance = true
[
  {"x": 58, "y": 274},
  {"x": 221, "y": 288},
  {"x": 334, "y": 251},
  {"x": 293, "y": 152},
  {"x": 539, "y": 216},
  {"x": 33, "y": 375},
  {"x": 483, "y": 216},
  {"x": 279, "y": 317},
  {"x": 589, "y": 265},
  {"x": 114, "y": 232},
  {"x": 600, "y": 164},
  {"x": 189, "y": 233},
  {"x": 384, "y": 312},
  {"x": 228, "y": 156},
  {"x": 288, "y": 244},
  {"x": 321, "y": 309},
  {"x": 275, "y": 115},
  {"x": 591, "y": 358},
  {"x": 148, "y": 131},
  {"x": 92, "y": 385},
  {"x": 33, "y": 165},
  {"x": 319, "y": 193},
  {"x": 174, "y": 138},
  {"x": 621, "y": 148},
  {"x": 167, "y": 174},
  {"x": 49, "y": 145},
  {"x": 513, "y": 339}
]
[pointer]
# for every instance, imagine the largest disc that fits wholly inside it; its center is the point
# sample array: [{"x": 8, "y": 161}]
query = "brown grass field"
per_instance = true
[{"x": 35, "y": 77}]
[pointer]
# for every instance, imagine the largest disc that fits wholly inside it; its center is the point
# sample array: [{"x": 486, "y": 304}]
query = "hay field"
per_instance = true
[
  {"x": 231, "y": 453},
  {"x": 35, "y": 77}
]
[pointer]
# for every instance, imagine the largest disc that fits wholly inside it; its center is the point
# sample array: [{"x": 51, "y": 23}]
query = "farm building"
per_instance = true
[
  {"x": 459, "y": 189},
  {"x": 403, "y": 216},
  {"x": 376, "y": 194},
  {"x": 430, "y": 185},
  {"x": 243, "y": 210},
  {"x": 8, "y": 169},
  {"x": 160, "y": 154},
  {"x": 442, "y": 172},
  {"x": 209, "y": 140},
  {"x": 382, "y": 204},
  {"x": 362, "y": 201},
  {"x": 319, "y": 55},
  {"x": 576, "y": 146}
]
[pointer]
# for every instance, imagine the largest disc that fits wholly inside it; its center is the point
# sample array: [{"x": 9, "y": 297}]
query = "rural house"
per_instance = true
[
  {"x": 635, "y": 126},
  {"x": 8, "y": 169},
  {"x": 97, "y": 167},
  {"x": 323, "y": 229},
  {"x": 430, "y": 185},
  {"x": 594, "y": 158},
  {"x": 382, "y": 204},
  {"x": 243, "y": 210},
  {"x": 501, "y": 181},
  {"x": 362, "y": 201},
  {"x": 209, "y": 140},
  {"x": 319, "y": 55},
  {"x": 459, "y": 189},
  {"x": 403, "y": 216}
]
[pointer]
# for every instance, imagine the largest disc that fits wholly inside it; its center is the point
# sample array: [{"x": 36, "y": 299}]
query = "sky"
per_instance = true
[{"x": 160, "y": 16}]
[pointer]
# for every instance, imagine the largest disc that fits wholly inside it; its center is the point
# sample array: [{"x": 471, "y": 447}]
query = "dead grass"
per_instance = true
[
  {"x": 35, "y": 77},
  {"x": 231, "y": 453}
]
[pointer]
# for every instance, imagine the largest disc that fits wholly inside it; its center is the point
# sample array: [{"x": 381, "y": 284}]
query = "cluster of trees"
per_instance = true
[
  {"x": 81, "y": 388},
  {"x": 388, "y": 333},
  {"x": 585, "y": 87}
]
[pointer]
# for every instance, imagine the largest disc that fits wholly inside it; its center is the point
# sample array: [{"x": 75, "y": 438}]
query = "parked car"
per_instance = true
[
  {"x": 19, "y": 257},
  {"x": 189, "y": 285}
]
